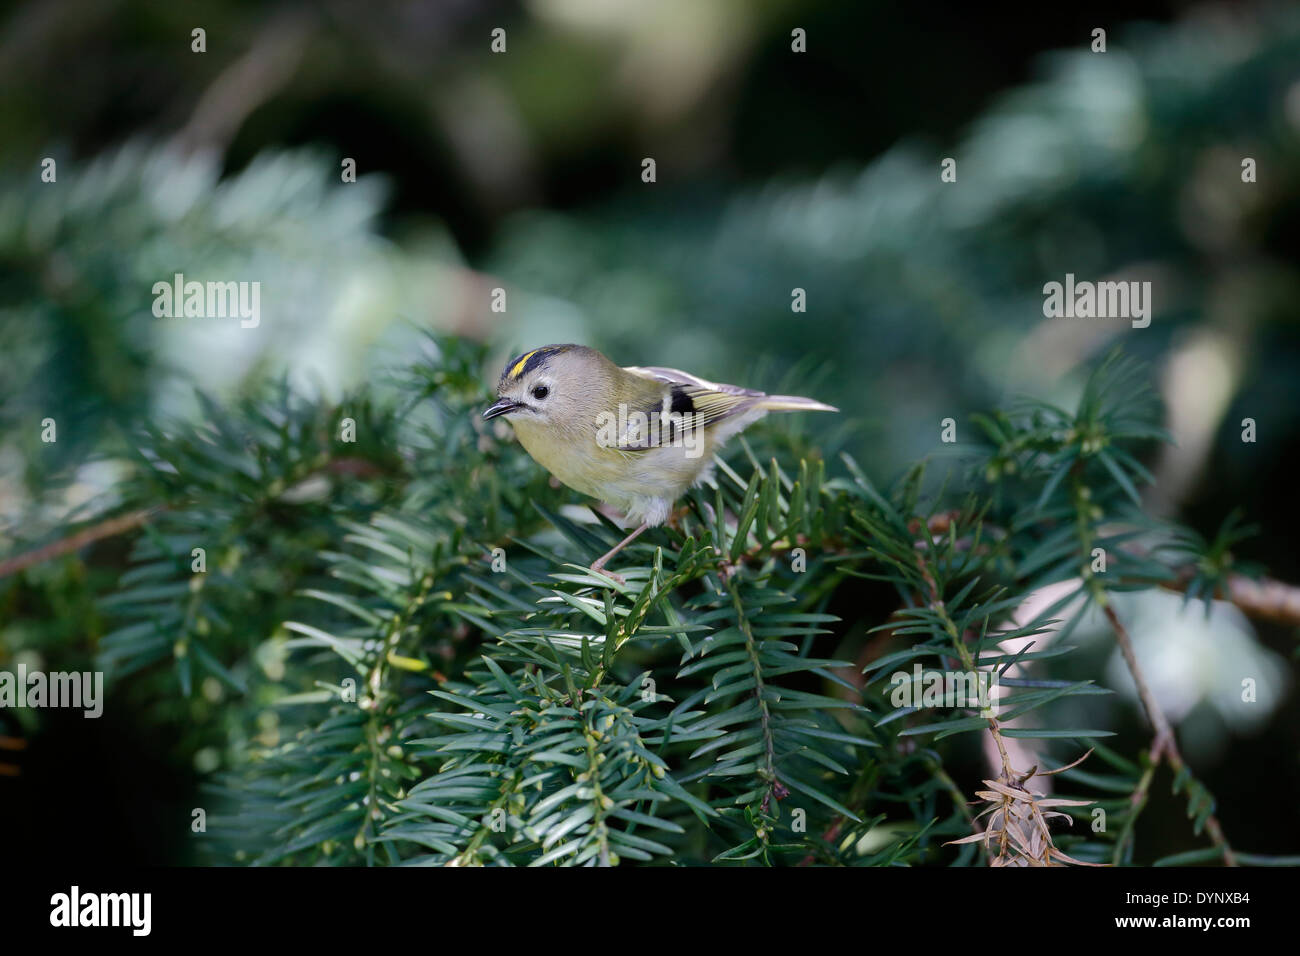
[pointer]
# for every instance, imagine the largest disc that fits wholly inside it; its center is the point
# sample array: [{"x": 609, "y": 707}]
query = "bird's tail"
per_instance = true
[{"x": 794, "y": 403}]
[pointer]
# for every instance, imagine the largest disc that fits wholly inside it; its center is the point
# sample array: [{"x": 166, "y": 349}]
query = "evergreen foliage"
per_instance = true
[
  {"x": 410, "y": 662},
  {"x": 394, "y": 652}
]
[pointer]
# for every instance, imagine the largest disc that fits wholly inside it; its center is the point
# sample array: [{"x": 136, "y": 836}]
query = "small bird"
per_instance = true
[{"x": 635, "y": 438}]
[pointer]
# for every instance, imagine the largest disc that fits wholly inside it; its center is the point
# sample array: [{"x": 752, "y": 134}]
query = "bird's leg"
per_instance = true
[
  {"x": 675, "y": 519},
  {"x": 599, "y": 565}
]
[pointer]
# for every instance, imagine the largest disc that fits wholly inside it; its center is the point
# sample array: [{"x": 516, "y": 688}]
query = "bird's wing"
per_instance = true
[
  {"x": 675, "y": 376},
  {"x": 698, "y": 402}
]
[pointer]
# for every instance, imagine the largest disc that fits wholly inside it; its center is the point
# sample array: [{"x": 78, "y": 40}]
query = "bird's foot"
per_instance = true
[
  {"x": 599, "y": 568},
  {"x": 675, "y": 519}
]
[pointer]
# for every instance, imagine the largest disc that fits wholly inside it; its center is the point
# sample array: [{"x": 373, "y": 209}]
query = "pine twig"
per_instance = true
[
  {"x": 1264, "y": 599},
  {"x": 75, "y": 542},
  {"x": 352, "y": 467},
  {"x": 1164, "y": 747}
]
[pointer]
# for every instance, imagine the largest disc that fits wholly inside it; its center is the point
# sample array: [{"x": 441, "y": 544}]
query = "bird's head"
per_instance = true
[{"x": 556, "y": 385}]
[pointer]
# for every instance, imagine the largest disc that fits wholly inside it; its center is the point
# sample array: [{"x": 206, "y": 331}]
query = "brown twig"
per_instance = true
[
  {"x": 1264, "y": 599},
  {"x": 74, "y": 542},
  {"x": 1164, "y": 746},
  {"x": 347, "y": 467},
  {"x": 246, "y": 83}
]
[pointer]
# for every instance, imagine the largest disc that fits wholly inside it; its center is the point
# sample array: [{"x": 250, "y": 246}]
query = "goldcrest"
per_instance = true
[{"x": 634, "y": 438}]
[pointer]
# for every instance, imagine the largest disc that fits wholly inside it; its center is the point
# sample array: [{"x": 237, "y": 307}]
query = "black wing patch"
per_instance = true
[
  {"x": 689, "y": 408},
  {"x": 697, "y": 404},
  {"x": 682, "y": 403}
]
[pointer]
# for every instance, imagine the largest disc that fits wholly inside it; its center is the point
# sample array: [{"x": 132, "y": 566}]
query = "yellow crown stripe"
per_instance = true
[{"x": 519, "y": 366}]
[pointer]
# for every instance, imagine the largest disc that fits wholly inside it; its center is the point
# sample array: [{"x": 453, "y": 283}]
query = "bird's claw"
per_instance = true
[{"x": 618, "y": 578}]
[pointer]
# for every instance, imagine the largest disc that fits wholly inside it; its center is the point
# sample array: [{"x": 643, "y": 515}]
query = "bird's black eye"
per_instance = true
[{"x": 540, "y": 392}]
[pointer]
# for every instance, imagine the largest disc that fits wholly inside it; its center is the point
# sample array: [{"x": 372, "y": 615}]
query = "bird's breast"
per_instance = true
[{"x": 620, "y": 478}]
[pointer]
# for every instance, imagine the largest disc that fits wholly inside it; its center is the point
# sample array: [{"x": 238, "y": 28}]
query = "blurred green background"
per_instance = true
[{"x": 776, "y": 170}]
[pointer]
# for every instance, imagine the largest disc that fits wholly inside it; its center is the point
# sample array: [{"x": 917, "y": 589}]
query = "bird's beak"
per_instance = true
[{"x": 504, "y": 407}]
